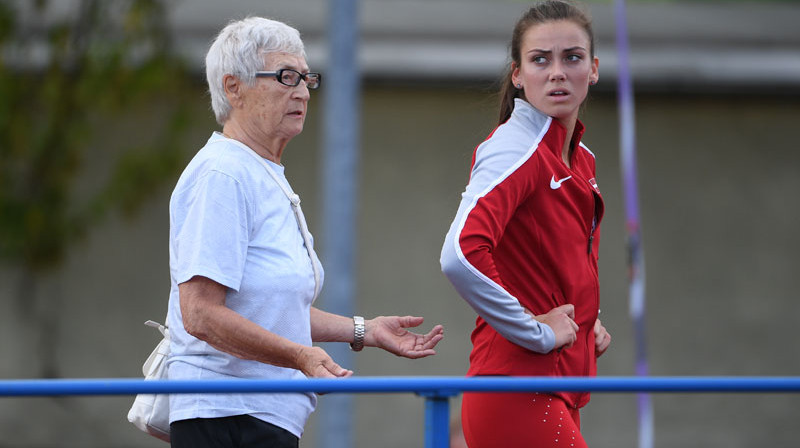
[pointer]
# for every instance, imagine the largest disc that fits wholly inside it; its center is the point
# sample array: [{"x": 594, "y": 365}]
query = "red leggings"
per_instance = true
[{"x": 519, "y": 420}]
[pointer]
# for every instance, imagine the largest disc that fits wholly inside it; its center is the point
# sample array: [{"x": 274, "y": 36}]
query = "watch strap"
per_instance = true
[{"x": 359, "y": 330}]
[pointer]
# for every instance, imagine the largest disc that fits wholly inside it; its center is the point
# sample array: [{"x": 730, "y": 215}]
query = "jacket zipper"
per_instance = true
[
  {"x": 589, "y": 250},
  {"x": 592, "y": 229}
]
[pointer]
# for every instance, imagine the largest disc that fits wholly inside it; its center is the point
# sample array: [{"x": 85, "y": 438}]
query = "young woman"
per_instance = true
[{"x": 522, "y": 250}]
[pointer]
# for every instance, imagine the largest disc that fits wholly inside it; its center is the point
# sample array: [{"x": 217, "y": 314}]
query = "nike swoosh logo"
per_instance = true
[{"x": 556, "y": 184}]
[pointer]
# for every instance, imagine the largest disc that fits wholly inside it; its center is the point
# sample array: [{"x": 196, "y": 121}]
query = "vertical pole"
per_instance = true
[
  {"x": 632, "y": 222},
  {"x": 340, "y": 163},
  {"x": 437, "y": 421}
]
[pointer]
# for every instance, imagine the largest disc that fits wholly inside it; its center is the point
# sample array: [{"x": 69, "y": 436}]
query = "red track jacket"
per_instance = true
[{"x": 526, "y": 235}]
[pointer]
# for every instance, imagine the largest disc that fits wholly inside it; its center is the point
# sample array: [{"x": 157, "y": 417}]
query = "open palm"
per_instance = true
[{"x": 391, "y": 334}]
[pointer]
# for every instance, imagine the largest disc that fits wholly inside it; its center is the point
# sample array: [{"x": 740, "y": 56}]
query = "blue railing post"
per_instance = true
[{"x": 437, "y": 418}]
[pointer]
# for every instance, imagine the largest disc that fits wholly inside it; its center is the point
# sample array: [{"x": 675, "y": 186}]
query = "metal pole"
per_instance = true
[
  {"x": 630, "y": 192},
  {"x": 340, "y": 162},
  {"x": 437, "y": 419}
]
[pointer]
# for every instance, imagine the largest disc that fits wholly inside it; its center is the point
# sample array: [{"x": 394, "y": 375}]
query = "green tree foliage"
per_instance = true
[
  {"x": 69, "y": 71},
  {"x": 97, "y": 59}
]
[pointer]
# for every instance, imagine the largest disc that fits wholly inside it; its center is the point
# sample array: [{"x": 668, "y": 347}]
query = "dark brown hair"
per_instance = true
[{"x": 541, "y": 12}]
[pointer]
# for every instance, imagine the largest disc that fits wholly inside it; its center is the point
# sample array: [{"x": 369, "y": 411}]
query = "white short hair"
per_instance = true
[{"x": 239, "y": 50}]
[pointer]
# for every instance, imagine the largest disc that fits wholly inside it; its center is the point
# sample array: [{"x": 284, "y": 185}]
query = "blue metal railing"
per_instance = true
[{"x": 437, "y": 391}]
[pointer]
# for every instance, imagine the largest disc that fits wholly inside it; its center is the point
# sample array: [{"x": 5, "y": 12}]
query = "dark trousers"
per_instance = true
[{"x": 240, "y": 431}]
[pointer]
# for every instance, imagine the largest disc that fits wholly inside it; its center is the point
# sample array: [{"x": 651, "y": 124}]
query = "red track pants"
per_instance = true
[{"x": 519, "y": 420}]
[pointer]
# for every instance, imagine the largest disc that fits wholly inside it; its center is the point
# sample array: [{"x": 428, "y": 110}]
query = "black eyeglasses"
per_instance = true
[{"x": 292, "y": 78}]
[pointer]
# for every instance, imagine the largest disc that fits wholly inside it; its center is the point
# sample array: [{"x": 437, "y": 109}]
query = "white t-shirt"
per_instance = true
[{"x": 230, "y": 222}]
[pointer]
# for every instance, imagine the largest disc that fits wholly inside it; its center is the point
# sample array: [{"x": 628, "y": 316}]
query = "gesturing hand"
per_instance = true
[
  {"x": 315, "y": 363},
  {"x": 390, "y": 333}
]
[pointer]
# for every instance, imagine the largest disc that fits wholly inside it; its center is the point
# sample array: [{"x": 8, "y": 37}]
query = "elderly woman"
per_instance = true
[{"x": 244, "y": 274}]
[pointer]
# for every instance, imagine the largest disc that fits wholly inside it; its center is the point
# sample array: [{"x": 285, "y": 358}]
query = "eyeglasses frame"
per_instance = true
[{"x": 301, "y": 76}]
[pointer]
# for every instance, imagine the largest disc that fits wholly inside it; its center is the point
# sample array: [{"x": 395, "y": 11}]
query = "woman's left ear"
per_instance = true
[
  {"x": 515, "y": 75},
  {"x": 232, "y": 86},
  {"x": 595, "y": 75}
]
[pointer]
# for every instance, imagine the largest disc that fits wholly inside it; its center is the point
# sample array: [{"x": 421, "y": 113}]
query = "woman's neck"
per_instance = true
[
  {"x": 566, "y": 150},
  {"x": 268, "y": 148}
]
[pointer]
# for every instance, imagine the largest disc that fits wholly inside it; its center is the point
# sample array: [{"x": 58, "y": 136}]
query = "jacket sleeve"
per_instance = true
[{"x": 499, "y": 182}]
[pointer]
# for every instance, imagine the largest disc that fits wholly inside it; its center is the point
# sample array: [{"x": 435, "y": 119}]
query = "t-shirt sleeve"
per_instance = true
[{"x": 212, "y": 234}]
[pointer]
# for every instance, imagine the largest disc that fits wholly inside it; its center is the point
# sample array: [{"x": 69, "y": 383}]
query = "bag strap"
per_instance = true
[{"x": 298, "y": 212}]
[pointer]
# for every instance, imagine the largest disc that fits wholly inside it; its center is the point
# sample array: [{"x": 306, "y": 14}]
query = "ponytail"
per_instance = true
[{"x": 508, "y": 92}]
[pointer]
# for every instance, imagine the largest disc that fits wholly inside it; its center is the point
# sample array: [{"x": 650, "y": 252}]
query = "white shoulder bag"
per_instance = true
[{"x": 150, "y": 412}]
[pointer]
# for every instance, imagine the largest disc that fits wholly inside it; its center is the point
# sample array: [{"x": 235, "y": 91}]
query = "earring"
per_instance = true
[
  {"x": 592, "y": 82},
  {"x": 519, "y": 86}
]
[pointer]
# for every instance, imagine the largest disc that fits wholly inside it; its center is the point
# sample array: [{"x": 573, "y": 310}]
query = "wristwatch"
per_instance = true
[{"x": 358, "y": 334}]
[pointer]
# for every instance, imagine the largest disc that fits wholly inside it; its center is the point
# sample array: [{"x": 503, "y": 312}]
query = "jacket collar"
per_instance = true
[{"x": 531, "y": 115}]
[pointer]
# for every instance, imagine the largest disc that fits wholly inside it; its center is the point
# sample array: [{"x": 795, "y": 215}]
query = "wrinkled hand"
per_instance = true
[
  {"x": 390, "y": 333},
  {"x": 314, "y": 362},
  {"x": 602, "y": 339},
  {"x": 561, "y": 321}
]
